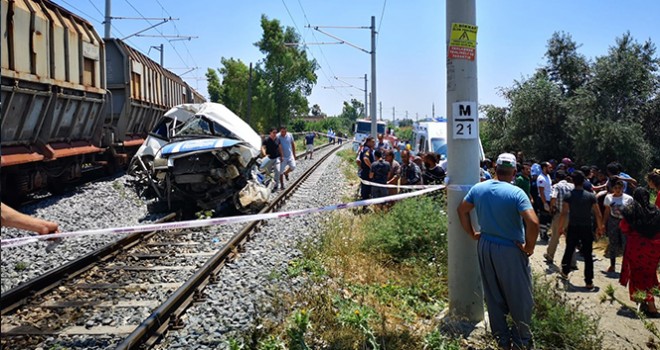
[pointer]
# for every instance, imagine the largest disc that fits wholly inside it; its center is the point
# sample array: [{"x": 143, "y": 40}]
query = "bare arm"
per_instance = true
[
  {"x": 531, "y": 230},
  {"x": 599, "y": 219},
  {"x": 606, "y": 215},
  {"x": 293, "y": 148},
  {"x": 263, "y": 150},
  {"x": 12, "y": 218},
  {"x": 563, "y": 217},
  {"x": 464, "y": 215},
  {"x": 629, "y": 180},
  {"x": 281, "y": 152}
]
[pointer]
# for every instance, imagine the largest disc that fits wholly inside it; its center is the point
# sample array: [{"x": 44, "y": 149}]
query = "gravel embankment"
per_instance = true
[
  {"x": 101, "y": 204},
  {"x": 246, "y": 289},
  {"x": 115, "y": 204}
]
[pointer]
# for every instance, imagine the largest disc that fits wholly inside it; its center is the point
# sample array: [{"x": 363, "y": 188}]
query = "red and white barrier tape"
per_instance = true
[
  {"x": 411, "y": 187},
  {"x": 464, "y": 188},
  {"x": 16, "y": 242}
]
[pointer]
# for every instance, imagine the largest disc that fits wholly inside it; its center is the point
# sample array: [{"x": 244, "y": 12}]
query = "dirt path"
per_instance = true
[{"x": 621, "y": 327}]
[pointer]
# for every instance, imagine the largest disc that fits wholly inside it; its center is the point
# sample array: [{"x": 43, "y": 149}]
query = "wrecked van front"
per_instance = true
[{"x": 209, "y": 160}]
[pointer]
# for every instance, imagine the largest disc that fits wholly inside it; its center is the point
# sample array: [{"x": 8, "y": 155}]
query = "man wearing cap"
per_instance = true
[{"x": 504, "y": 248}]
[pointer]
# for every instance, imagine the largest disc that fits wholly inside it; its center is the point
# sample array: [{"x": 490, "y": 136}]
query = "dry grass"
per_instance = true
[{"x": 356, "y": 280}]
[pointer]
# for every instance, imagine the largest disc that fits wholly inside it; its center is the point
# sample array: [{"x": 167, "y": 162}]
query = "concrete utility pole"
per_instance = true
[
  {"x": 433, "y": 111},
  {"x": 249, "y": 101},
  {"x": 366, "y": 99},
  {"x": 374, "y": 127},
  {"x": 406, "y": 114},
  {"x": 416, "y": 117},
  {"x": 465, "y": 289},
  {"x": 393, "y": 115},
  {"x": 380, "y": 109},
  {"x": 108, "y": 19},
  {"x": 158, "y": 48}
]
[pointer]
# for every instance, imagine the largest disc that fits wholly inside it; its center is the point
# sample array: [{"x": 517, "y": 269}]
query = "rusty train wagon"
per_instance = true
[
  {"x": 72, "y": 101},
  {"x": 53, "y": 94},
  {"x": 141, "y": 91}
]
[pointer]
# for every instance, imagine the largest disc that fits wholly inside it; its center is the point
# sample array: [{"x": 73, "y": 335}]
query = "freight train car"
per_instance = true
[
  {"x": 71, "y": 101},
  {"x": 141, "y": 91},
  {"x": 53, "y": 93}
]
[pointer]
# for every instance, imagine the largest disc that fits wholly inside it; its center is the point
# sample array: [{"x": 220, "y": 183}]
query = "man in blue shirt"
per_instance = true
[{"x": 504, "y": 248}]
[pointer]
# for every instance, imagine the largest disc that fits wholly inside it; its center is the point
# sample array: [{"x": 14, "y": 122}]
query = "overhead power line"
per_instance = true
[
  {"x": 320, "y": 49},
  {"x": 185, "y": 45},
  {"x": 158, "y": 30},
  {"x": 310, "y": 52}
]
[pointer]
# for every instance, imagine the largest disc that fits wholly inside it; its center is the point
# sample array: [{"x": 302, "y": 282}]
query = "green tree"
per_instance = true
[
  {"x": 235, "y": 76},
  {"x": 534, "y": 123},
  {"x": 316, "y": 110},
  {"x": 614, "y": 115},
  {"x": 286, "y": 70},
  {"x": 565, "y": 66},
  {"x": 352, "y": 110},
  {"x": 213, "y": 85},
  {"x": 493, "y": 129}
]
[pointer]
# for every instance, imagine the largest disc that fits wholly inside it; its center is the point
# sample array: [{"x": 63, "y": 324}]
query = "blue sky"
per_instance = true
[{"x": 411, "y": 43}]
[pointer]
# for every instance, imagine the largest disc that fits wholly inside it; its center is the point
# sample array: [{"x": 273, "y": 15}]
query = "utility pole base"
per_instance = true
[{"x": 474, "y": 334}]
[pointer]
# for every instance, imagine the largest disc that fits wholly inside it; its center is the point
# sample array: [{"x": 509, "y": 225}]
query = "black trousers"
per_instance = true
[
  {"x": 365, "y": 190},
  {"x": 579, "y": 234}
]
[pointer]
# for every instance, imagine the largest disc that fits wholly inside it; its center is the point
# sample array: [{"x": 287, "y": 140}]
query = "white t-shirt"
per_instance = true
[
  {"x": 617, "y": 204},
  {"x": 545, "y": 182}
]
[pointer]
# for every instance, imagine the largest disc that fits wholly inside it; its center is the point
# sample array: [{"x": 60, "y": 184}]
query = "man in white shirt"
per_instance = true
[{"x": 544, "y": 184}]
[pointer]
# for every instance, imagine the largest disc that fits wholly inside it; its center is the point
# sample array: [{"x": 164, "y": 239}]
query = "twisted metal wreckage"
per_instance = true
[{"x": 202, "y": 154}]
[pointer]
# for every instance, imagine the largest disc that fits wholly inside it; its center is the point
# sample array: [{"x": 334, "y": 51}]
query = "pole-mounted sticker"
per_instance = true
[
  {"x": 464, "y": 115},
  {"x": 463, "y": 41}
]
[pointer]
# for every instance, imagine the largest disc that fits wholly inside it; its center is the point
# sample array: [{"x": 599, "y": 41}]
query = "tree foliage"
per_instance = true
[
  {"x": 281, "y": 81},
  {"x": 214, "y": 85},
  {"x": 352, "y": 110},
  {"x": 565, "y": 66},
  {"x": 286, "y": 70},
  {"x": 595, "y": 112}
]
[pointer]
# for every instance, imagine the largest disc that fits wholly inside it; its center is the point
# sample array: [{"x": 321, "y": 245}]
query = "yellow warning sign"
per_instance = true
[
  {"x": 463, "y": 35},
  {"x": 463, "y": 41}
]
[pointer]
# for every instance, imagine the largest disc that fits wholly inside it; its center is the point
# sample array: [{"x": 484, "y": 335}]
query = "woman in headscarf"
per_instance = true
[{"x": 641, "y": 225}]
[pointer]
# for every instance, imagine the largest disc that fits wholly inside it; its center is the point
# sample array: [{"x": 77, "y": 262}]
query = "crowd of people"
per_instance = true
[
  {"x": 555, "y": 199},
  {"x": 518, "y": 201},
  {"x": 378, "y": 163}
]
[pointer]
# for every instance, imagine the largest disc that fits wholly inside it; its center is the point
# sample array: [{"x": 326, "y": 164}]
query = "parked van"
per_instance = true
[{"x": 432, "y": 136}]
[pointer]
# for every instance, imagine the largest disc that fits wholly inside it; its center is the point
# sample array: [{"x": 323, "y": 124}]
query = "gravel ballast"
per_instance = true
[
  {"x": 101, "y": 204},
  {"x": 247, "y": 291},
  {"x": 115, "y": 204}
]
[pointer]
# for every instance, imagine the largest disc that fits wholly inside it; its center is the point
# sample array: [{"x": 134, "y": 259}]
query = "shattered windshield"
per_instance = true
[
  {"x": 196, "y": 127},
  {"x": 200, "y": 126}
]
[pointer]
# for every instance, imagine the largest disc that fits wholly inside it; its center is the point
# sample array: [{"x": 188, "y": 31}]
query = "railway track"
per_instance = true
[{"x": 140, "y": 276}]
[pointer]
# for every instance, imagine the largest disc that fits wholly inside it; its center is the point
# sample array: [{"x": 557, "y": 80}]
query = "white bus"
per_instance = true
[{"x": 362, "y": 130}]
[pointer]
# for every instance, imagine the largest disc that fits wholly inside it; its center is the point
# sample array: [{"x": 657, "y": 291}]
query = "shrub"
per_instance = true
[
  {"x": 413, "y": 228},
  {"x": 558, "y": 323}
]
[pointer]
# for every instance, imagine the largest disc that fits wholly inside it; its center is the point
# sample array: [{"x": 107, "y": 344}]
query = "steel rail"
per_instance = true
[
  {"x": 23, "y": 293},
  {"x": 169, "y": 313}
]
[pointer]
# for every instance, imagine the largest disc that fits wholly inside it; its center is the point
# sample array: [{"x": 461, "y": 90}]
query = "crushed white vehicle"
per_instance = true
[{"x": 202, "y": 154}]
